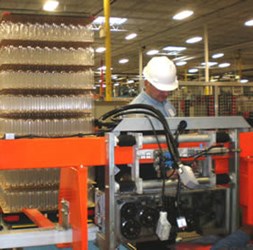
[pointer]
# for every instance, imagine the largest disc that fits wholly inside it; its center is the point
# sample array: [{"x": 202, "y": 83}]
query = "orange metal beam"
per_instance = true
[
  {"x": 74, "y": 156},
  {"x": 38, "y": 218},
  {"x": 63, "y": 152},
  {"x": 74, "y": 189},
  {"x": 60, "y": 152}
]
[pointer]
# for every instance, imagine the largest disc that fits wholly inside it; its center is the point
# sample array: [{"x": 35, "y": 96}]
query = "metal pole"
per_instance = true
[
  {"x": 110, "y": 233},
  {"x": 207, "y": 89},
  {"x": 234, "y": 171},
  {"x": 140, "y": 69},
  {"x": 206, "y": 54},
  {"x": 108, "y": 92},
  {"x": 216, "y": 100}
]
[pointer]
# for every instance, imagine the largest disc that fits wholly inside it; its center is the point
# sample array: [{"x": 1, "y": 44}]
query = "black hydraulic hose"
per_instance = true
[{"x": 158, "y": 115}]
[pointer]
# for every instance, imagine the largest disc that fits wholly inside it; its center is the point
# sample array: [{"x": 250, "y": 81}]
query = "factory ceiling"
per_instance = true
[{"x": 220, "y": 22}]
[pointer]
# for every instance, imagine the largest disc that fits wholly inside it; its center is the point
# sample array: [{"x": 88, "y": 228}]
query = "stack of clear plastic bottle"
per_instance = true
[
  {"x": 46, "y": 32},
  {"x": 43, "y": 101},
  {"x": 10, "y": 79}
]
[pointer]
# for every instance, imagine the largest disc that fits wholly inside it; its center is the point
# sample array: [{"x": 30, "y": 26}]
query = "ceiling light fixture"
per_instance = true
[
  {"x": 50, "y": 5},
  {"x": 173, "y": 53},
  {"x": 193, "y": 70},
  {"x": 174, "y": 48},
  {"x": 123, "y": 61},
  {"x": 115, "y": 23},
  {"x": 152, "y": 52},
  {"x": 183, "y": 14},
  {"x": 182, "y": 63},
  {"x": 218, "y": 55},
  {"x": 100, "y": 49},
  {"x": 102, "y": 68},
  {"x": 131, "y": 36},
  {"x": 183, "y": 58},
  {"x": 244, "y": 80},
  {"x": 195, "y": 39},
  {"x": 113, "y": 20},
  {"x": 249, "y": 23},
  {"x": 224, "y": 65},
  {"x": 210, "y": 64}
]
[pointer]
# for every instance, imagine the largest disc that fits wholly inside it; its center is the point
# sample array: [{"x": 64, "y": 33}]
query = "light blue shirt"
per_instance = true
[{"x": 167, "y": 109}]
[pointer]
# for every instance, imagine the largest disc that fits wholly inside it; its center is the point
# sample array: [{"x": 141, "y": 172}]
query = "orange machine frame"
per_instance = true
[
  {"x": 74, "y": 156},
  {"x": 245, "y": 178}
]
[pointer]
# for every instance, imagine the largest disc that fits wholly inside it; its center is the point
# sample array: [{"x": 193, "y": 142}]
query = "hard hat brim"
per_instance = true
[
  {"x": 166, "y": 86},
  {"x": 163, "y": 86}
]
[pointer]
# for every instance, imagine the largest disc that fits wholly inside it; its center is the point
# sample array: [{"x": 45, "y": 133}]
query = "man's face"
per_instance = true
[{"x": 155, "y": 93}]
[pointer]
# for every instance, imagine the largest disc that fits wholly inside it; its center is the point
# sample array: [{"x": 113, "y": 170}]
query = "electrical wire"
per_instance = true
[
  {"x": 155, "y": 134},
  {"x": 162, "y": 165},
  {"x": 202, "y": 153},
  {"x": 178, "y": 196},
  {"x": 114, "y": 117}
]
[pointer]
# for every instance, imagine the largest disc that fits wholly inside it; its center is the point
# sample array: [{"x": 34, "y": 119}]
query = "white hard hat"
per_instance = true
[{"x": 161, "y": 73}]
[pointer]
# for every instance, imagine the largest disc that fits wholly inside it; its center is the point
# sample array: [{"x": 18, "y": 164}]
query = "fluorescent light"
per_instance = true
[
  {"x": 183, "y": 14},
  {"x": 193, "y": 70},
  {"x": 174, "y": 48},
  {"x": 224, "y": 65},
  {"x": 182, "y": 63},
  {"x": 183, "y": 58},
  {"x": 100, "y": 49},
  {"x": 101, "y": 68},
  {"x": 194, "y": 39},
  {"x": 113, "y": 20},
  {"x": 173, "y": 53},
  {"x": 244, "y": 80},
  {"x": 130, "y": 81},
  {"x": 218, "y": 55},
  {"x": 152, "y": 52},
  {"x": 123, "y": 61},
  {"x": 249, "y": 23},
  {"x": 50, "y": 5},
  {"x": 131, "y": 36},
  {"x": 210, "y": 64},
  {"x": 116, "y": 84}
]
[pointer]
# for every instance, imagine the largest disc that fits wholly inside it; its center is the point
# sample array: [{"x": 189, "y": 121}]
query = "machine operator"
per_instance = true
[{"x": 160, "y": 78}]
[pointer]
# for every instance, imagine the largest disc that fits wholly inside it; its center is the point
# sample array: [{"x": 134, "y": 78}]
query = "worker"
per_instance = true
[{"x": 160, "y": 78}]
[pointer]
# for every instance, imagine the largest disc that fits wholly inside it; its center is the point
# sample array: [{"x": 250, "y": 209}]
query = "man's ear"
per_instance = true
[{"x": 145, "y": 84}]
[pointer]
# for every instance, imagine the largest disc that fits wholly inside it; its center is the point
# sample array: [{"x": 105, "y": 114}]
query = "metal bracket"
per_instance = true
[{"x": 65, "y": 213}]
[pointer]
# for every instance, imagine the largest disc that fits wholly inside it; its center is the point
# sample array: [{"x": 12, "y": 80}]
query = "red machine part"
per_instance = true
[{"x": 246, "y": 173}]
